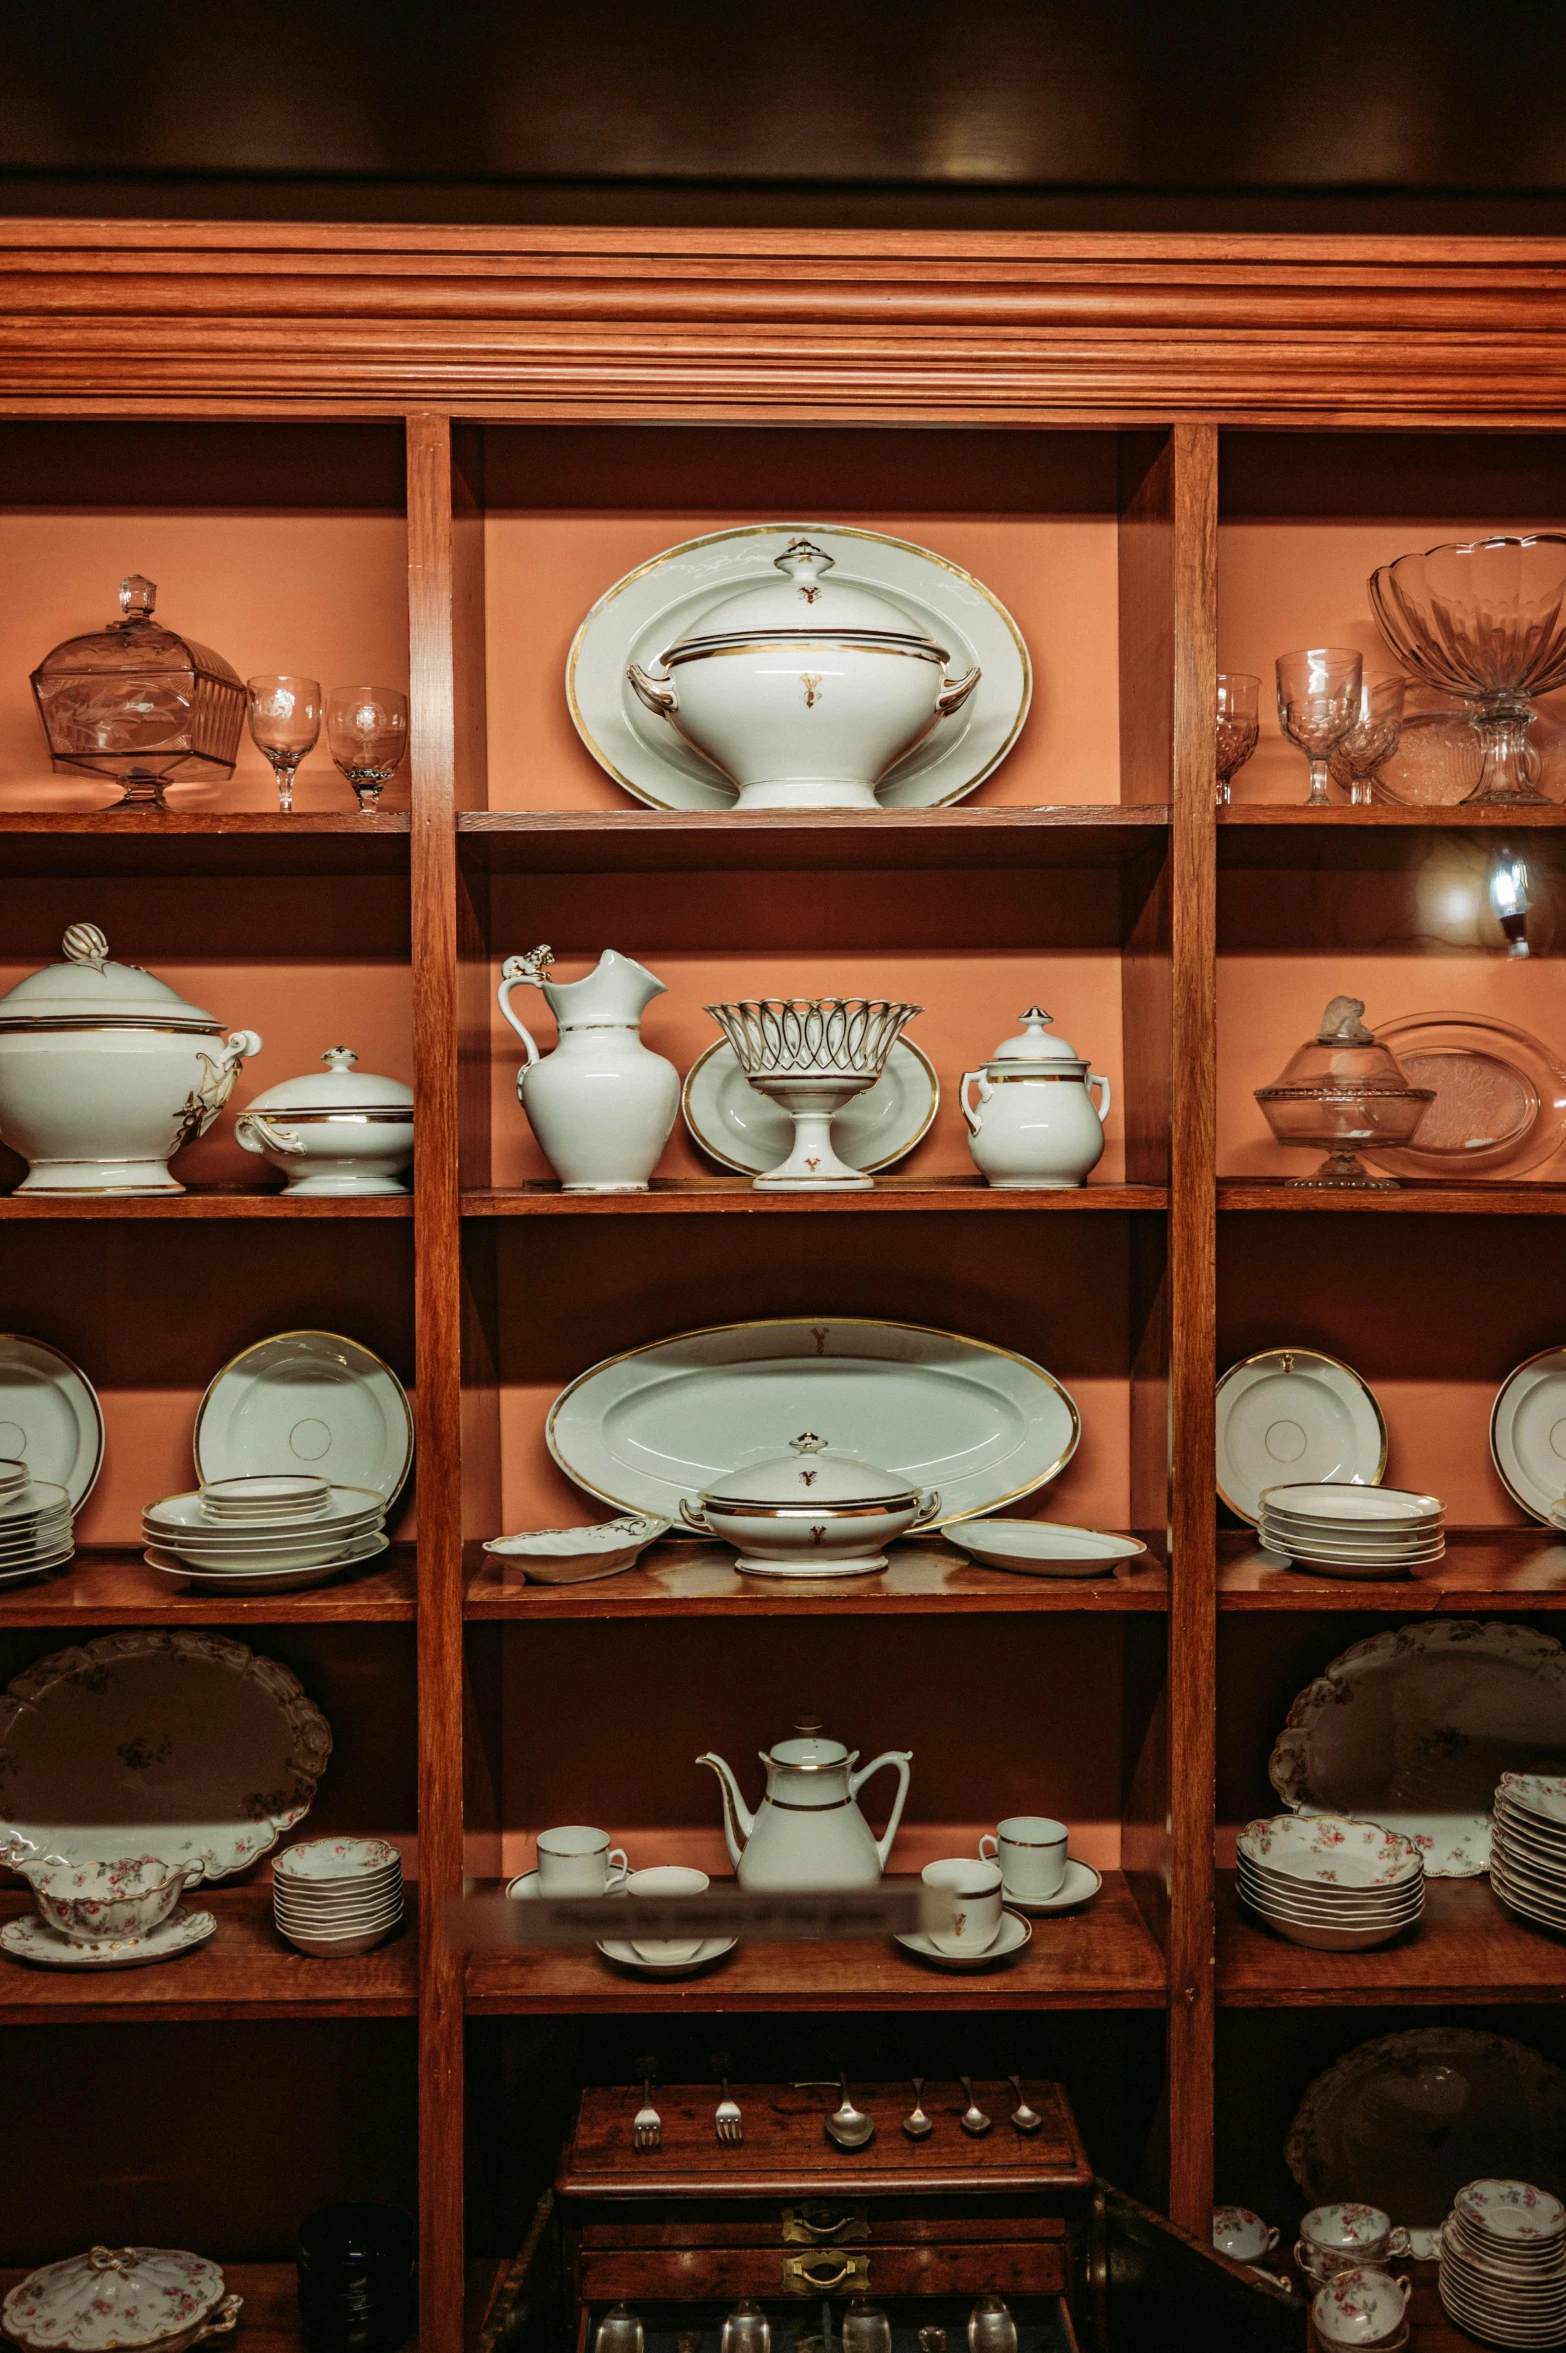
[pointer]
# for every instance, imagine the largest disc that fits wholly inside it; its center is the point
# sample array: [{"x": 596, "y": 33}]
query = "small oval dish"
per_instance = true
[
  {"x": 576, "y": 1556},
  {"x": 1041, "y": 1548}
]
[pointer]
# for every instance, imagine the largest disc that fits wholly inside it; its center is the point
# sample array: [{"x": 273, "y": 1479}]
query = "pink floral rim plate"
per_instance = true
[
  {"x": 1330, "y": 1851},
  {"x": 1524, "y": 2216}
]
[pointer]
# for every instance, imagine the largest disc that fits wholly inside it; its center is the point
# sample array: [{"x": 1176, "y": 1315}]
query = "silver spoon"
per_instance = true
[
  {"x": 1024, "y": 2118},
  {"x": 918, "y": 2126},
  {"x": 849, "y": 2126},
  {"x": 973, "y": 2118}
]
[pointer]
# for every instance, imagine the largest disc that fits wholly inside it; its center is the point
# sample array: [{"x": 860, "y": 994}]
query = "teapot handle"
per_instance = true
[
  {"x": 658, "y": 694},
  {"x": 518, "y": 972},
  {"x": 1096, "y": 1078},
  {"x": 974, "y": 1118},
  {"x": 955, "y": 692},
  {"x": 902, "y": 1758},
  {"x": 251, "y": 1125}
]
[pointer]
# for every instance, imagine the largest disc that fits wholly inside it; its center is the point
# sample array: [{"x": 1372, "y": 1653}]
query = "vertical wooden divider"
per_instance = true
[{"x": 445, "y": 553}]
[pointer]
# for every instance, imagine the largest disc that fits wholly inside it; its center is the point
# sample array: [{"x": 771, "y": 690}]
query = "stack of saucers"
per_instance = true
[
  {"x": 1503, "y": 2264},
  {"x": 337, "y": 1896},
  {"x": 1326, "y": 1881},
  {"x": 1339, "y": 1529},
  {"x": 1528, "y": 1847},
  {"x": 264, "y": 1532},
  {"x": 35, "y": 1524}
]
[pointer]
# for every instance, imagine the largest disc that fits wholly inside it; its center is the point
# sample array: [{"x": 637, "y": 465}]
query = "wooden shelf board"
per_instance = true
[
  {"x": 204, "y": 1201},
  {"x": 655, "y": 841},
  {"x": 731, "y": 1195},
  {"x": 244, "y": 1971},
  {"x": 83, "y": 843},
  {"x": 1466, "y": 1949},
  {"x": 111, "y": 1585},
  {"x": 1484, "y": 1568},
  {"x": 1104, "y": 1958},
  {"x": 1413, "y": 1198},
  {"x": 699, "y": 1581},
  {"x": 1384, "y": 817},
  {"x": 1261, "y": 835}
]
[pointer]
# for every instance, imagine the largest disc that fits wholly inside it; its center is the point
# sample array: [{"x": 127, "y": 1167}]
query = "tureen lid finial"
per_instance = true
[
  {"x": 803, "y": 555},
  {"x": 807, "y": 1724},
  {"x": 339, "y": 1057},
  {"x": 807, "y": 1443},
  {"x": 84, "y": 943}
]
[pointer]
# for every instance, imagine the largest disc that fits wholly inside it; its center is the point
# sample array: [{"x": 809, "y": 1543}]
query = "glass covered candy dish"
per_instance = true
[
  {"x": 138, "y": 702},
  {"x": 1343, "y": 1093}
]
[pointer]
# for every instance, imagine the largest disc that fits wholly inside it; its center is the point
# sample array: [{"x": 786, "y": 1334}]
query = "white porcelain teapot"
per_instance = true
[
  {"x": 602, "y": 1104},
  {"x": 807, "y": 1830},
  {"x": 1035, "y": 1126}
]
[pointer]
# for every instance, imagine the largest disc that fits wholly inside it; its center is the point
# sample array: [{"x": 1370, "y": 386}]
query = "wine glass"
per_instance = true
[
  {"x": 1238, "y": 725},
  {"x": 1372, "y": 738},
  {"x": 746, "y": 2329},
  {"x": 1318, "y": 702},
  {"x": 285, "y": 720},
  {"x": 367, "y": 729}
]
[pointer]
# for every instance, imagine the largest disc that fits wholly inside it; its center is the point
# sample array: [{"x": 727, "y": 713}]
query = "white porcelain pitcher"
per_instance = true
[
  {"x": 602, "y": 1104},
  {"x": 807, "y": 1830}
]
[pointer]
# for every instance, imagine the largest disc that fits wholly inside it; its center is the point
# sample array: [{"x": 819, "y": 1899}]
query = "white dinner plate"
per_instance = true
[
  {"x": 307, "y": 1401},
  {"x": 979, "y": 1424},
  {"x": 182, "y": 1515},
  {"x": 1389, "y": 1510},
  {"x": 170, "y": 1564},
  {"x": 1010, "y": 1938},
  {"x": 49, "y": 1416},
  {"x": 665, "y": 599},
  {"x": 1042, "y": 1548},
  {"x": 741, "y": 1129},
  {"x": 1528, "y": 1432},
  {"x": 1292, "y": 1413}
]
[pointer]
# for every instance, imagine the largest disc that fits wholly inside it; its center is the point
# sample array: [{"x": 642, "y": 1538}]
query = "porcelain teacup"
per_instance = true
[
  {"x": 96, "y": 1903},
  {"x": 975, "y": 1890},
  {"x": 1346, "y": 2237},
  {"x": 666, "y": 1879},
  {"x": 1031, "y": 1851},
  {"x": 1242, "y": 2235},
  {"x": 574, "y": 1860},
  {"x": 1363, "y": 2307}
]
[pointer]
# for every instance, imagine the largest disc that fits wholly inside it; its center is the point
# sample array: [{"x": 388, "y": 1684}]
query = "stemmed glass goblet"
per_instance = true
[
  {"x": 1318, "y": 702},
  {"x": 367, "y": 729},
  {"x": 1238, "y": 725},
  {"x": 285, "y": 720},
  {"x": 1372, "y": 738}
]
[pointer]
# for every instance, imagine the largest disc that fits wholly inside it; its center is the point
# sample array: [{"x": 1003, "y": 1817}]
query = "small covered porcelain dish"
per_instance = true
[
  {"x": 809, "y": 1512},
  {"x": 575, "y": 1556},
  {"x": 1034, "y": 1125},
  {"x": 105, "y": 1071},
  {"x": 119, "y": 2297},
  {"x": 804, "y": 693},
  {"x": 347, "y": 1132}
]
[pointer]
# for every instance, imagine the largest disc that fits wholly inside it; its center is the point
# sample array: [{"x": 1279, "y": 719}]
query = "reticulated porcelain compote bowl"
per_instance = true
[{"x": 810, "y": 1056}]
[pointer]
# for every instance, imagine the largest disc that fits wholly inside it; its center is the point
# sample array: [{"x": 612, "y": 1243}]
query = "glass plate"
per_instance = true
[{"x": 1500, "y": 1106}]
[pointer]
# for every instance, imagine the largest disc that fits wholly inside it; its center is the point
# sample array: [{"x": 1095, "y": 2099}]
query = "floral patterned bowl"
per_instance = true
[
  {"x": 1242, "y": 2235},
  {"x": 90, "y": 1902},
  {"x": 1330, "y": 1850},
  {"x": 1363, "y": 2307}
]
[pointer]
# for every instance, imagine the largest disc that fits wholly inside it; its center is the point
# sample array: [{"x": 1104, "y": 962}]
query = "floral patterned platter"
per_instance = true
[
  {"x": 119, "y": 2296},
  {"x": 1413, "y": 1728},
  {"x": 173, "y": 1742},
  {"x": 1406, "y": 2121}
]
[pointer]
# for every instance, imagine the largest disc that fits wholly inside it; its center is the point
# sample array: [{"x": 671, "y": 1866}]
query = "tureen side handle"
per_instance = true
[
  {"x": 696, "y": 1519},
  {"x": 254, "y": 1132},
  {"x": 221, "y": 2323},
  {"x": 658, "y": 694},
  {"x": 205, "y": 1101},
  {"x": 929, "y": 1505},
  {"x": 902, "y": 1758},
  {"x": 1097, "y": 1079},
  {"x": 977, "y": 1078},
  {"x": 955, "y": 692}
]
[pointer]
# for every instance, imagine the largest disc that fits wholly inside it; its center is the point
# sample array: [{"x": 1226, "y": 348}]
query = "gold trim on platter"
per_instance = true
[{"x": 1317, "y": 1356}]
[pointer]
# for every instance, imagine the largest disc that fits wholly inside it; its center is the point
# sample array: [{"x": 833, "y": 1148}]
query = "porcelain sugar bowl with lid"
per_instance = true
[
  {"x": 804, "y": 692},
  {"x": 118, "y": 2298},
  {"x": 1033, "y": 1121},
  {"x": 341, "y": 1131},
  {"x": 105, "y": 1071},
  {"x": 810, "y": 1512}
]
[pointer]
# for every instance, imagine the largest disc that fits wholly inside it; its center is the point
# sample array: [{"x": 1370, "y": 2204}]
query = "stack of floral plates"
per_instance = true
[
  {"x": 1503, "y": 2264},
  {"x": 260, "y": 1534},
  {"x": 1528, "y": 1848},
  {"x": 335, "y": 1897},
  {"x": 1343, "y": 1530},
  {"x": 35, "y": 1524},
  {"x": 1323, "y": 1880}
]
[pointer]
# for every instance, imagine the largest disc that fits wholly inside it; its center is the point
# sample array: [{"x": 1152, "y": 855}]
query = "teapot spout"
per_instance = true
[{"x": 738, "y": 1820}]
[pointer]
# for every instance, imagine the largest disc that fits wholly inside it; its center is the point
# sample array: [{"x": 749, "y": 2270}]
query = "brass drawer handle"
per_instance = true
[
  {"x": 807, "y": 2275},
  {"x": 812, "y": 2225}
]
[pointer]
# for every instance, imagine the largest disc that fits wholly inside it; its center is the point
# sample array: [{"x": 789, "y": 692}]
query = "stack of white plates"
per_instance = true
[
  {"x": 1528, "y": 1848},
  {"x": 1323, "y": 1880},
  {"x": 1503, "y": 2264},
  {"x": 1342, "y": 1530},
  {"x": 337, "y": 1896},
  {"x": 35, "y": 1524},
  {"x": 260, "y": 1534}
]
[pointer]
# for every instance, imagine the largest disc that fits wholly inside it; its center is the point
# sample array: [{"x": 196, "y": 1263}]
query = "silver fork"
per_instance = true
[
  {"x": 647, "y": 2124},
  {"x": 728, "y": 2123}
]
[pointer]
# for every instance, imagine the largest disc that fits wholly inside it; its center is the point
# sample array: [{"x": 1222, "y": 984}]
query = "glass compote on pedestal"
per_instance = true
[
  {"x": 1342, "y": 1094},
  {"x": 810, "y": 1056},
  {"x": 1485, "y": 620}
]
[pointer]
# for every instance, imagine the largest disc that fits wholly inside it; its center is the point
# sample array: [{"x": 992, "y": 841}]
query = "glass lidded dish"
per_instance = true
[
  {"x": 140, "y": 703},
  {"x": 1344, "y": 1093}
]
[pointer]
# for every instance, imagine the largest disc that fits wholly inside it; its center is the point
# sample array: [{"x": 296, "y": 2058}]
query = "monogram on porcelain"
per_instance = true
[
  {"x": 1033, "y": 1123},
  {"x": 602, "y": 1104},
  {"x": 112, "y": 2297},
  {"x": 808, "y": 1831},
  {"x": 803, "y": 693}
]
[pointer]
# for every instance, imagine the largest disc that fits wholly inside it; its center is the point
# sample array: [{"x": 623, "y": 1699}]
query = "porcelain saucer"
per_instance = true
[
  {"x": 1080, "y": 1885},
  {"x": 740, "y": 1129},
  {"x": 524, "y": 1888},
  {"x": 28, "y": 1938},
  {"x": 1012, "y": 1935},
  {"x": 626, "y": 1956}
]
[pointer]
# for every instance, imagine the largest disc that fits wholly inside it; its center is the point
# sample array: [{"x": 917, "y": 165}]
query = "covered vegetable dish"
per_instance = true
[
  {"x": 810, "y": 1512},
  {"x": 347, "y": 1131},
  {"x": 118, "y": 2297}
]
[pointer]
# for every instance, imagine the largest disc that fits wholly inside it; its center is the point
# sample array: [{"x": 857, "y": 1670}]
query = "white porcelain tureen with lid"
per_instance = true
[
  {"x": 810, "y": 1512},
  {"x": 115, "y": 2297},
  {"x": 802, "y": 692},
  {"x": 105, "y": 1071},
  {"x": 346, "y": 1132}
]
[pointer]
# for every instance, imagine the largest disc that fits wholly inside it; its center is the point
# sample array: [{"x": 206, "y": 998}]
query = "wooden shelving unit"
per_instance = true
[{"x": 370, "y": 448}]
